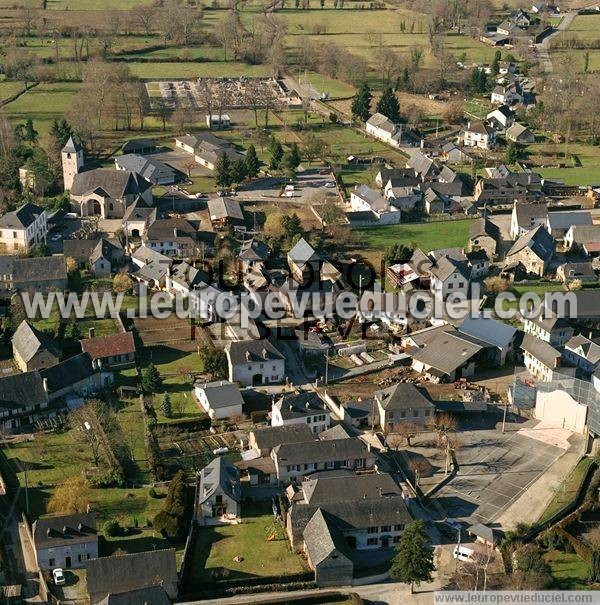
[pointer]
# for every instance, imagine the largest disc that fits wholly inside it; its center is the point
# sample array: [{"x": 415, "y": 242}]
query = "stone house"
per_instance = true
[
  {"x": 219, "y": 493},
  {"x": 33, "y": 349},
  {"x": 23, "y": 228}
]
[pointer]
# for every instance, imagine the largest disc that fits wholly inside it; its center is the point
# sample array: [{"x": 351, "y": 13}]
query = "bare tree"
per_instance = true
[{"x": 144, "y": 15}]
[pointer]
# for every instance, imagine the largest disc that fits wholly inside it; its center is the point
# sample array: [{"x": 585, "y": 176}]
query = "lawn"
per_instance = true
[
  {"x": 427, "y": 236},
  {"x": 550, "y": 156},
  {"x": 216, "y": 547},
  {"x": 131, "y": 420},
  {"x": 149, "y": 71},
  {"x": 567, "y": 491},
  {"x": 568, "y": 570}
]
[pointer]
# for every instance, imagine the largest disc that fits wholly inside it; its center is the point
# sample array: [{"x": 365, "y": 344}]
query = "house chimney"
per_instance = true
[
  {"x": 45, "y": 384},
  {"x": 264, "y": 353},
  {"x": 91, "y": 332},
  {"x": 247, "y": 355}
]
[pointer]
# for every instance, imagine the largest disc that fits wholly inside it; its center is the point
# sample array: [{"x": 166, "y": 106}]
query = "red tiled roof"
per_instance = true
[{"x": 106, "y": 346}]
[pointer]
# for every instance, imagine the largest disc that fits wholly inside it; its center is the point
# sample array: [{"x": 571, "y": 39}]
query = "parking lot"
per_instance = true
[{"x": 495, "y": 469}]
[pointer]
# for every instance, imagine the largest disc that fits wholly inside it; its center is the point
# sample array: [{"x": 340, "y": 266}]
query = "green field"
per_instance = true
[
  {"x": 216, "y": 547},
  {"x": 427, "y": 236},
  {"x": 568, "y": 570}
]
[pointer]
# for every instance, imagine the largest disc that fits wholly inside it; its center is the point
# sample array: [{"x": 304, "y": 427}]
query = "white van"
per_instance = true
[{"x": 462, "y": 553}]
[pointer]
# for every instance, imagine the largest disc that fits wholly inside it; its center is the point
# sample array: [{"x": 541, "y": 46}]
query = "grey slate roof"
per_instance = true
[
  {"x": 540, "y": 242},
  {"x": 298, "y": 405},
  {"x": 404, "y": 396},
  {"x": 68, "y": 372},
  {"x": 253, "y": 250},
  {"x": 564, "y": 220},
  {"x": 326, "y": 490},
  {"x": 115, "y": 183},
  {"x": 302, "y": 253},
  {"x": 489, "y": 534},
  {"x": 138, "y": 145},
  {"x": 64, "y": 530},
  {"x": 220, "y": 474},
  {"x": 339, "y": 431},
  {"x": 19, "y": 390},
  {"x": 221, "y": 394},
  {"x": 323, "y": 539},
  {"x": 320, "y": 451},
  {"x": 488, "y": 330},
  {"x": 73, "y": 145},
  {"x": 151, "y": 169},
  {"x": 268, "y": 438},
  {"x": 242, "y": 351},
  {"x": 22, "y": 217},
  {"x": 40, "y": 269},
  {"x": 122, "y": 573},
  {"x": 483, "y": 226},
  {"x": 221, "y": 208},
  {"x": 541, "y": 350},
  {"x": 153, "y": 595},
  {"x": 446, "y": 266},
  {"x": 29, "y": 341}
]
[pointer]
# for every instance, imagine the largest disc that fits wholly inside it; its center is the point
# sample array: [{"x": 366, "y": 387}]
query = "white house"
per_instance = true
[
  {"x": 382, "y": 128},
  {"x": 301, "y": 408},
  {"x": 23, "y": 228},
  {"x": 217, "y": 121},
  {"x": 255, "y": 362},
  {"x": 502, "y": 117},
  {"x": 479, "y": 134},
  {"x": 221, "y": 399}
]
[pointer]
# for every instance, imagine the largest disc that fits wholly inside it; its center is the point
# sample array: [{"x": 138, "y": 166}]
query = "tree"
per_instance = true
[
  {"x": 112, "y": 528},
  {"x": 38, "y": 250},
  {"x": 223, "y": 176},
  {"x": 405, "y": 431},
  {"x": 454, "y": 112},
  {"x": 72, "y": 265},
  {"x": 331, "y": 212},
  {"x": 442, "y": 424},
  {"x": 273, "y": 226},
  {"x": 512, "y": 153},
  {"x": 413, "y": 561},
  {"x": 388, "y": 105},
  {"x": 238, "y": 171},
  {"x": 72, "y": 332},
  {"x": 594, "y": 572},
  {"x": 70, "y": 497},
  {"x": 214, "y": 362},
  {"x": 166, "y": 407},
  {"x": 276, "y": 151},
  {"x": 292, "y": 226},
  {"x": 170, "y": 521},
  {"x": 496, "y": 63},
  {"x": 361, "y": 104},
  {"x": 252, "y": 162},
  {"x": 122, "y": 283},
  {"x": 314, "y": 147},
  {"x": 151, "y": 379}
]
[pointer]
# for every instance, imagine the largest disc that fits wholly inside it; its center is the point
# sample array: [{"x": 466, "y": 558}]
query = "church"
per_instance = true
[{"x": 103, "y": 192}]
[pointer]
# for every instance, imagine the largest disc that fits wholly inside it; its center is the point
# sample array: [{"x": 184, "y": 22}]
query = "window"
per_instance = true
[
  {"x": 386, "y": 528},
  {"x": 396, "y": 539},
  {"x": 403, "y": 414},
  {"x": 398, "y": 527},
  {"x": 372, "y": 530},
  {"x": 372, "y": 541},
  {"x": 427, "y": 413},
  {"x": 51, "y": 562},
  {"x": 415, "y": 413}
]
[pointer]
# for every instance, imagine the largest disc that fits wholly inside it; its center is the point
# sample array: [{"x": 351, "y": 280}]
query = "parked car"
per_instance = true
[
  {"x": 462, "y": 553},
  {"x": 56, "y": 237},
  {"x": 330, "y": 184},
  {"x": 58, "y": 576}
]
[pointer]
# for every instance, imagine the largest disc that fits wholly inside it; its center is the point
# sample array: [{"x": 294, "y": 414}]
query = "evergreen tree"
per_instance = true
[
  {"x": 388, "y": 105},
  {"x": 252, "y": 163},
  {"x": 166, "y": 407},
  {"x": 223, "y": 176},
  {"x": 511, "y": 153},
  {"x": 403, "y": 80},
  {"x": 151, "y": 379},
  {"x": 292, "y": 226},
  {"x": 61, "y": 131},
  {"x": 72, "y": 331},
  {"x": 413, "y": 561},
  {"x": 238, "y": 171},
  {"x": 294, "y": 156},
  {"x": 276, "y": 151},
  {"x": 361, "y": 104},
  {"x": 496, "y": 62}
]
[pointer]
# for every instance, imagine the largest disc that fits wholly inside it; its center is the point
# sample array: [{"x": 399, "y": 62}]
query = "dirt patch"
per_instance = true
[{"x": 172, "y": 331}]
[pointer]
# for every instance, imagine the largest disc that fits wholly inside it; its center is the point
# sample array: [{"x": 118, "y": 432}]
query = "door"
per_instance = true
[{"x": 67, "y": 561}]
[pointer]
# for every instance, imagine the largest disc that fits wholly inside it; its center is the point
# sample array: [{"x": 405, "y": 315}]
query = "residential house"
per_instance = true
[
  {"x": 153, "y": 170},
  {"x": 478, "y": 262},
  {"x": 401, "y": 403},
  {"x": 155, "y": 595},
  {"x": 533, "y": 251},
  {"x": 583, "y": 353},
  {"x": 585, "y": 238},
  {"x": 124, "y": 573},
  {"x": 484, "y": 235},
  {"x": 479, "y": 134},
  {"x": 335, "y": 517},
  {"x": 560, "y": 222},
  {"x": 41, "y": 274},
  {"x": 486, "y": 535},
  {"x": 450, "y": 278},
  {"x": 219, "y": 493},
  {"x": 382, "y": 128},
  {"x": 301, "y": 408},
  {"x": 253, "y": 255},
  {"x": 522, "y": 19},
  {"x": 255, "y": 362},
  {"x": 548, "y": 327},
  {"x": 304, "y": 262},
  {"x": 581, "y": 271},
  {"x": 365, "y": 199},
  {"x": 506, "y": 95},
  {"x": 225, "y": 211},
  {"x": 175, "y": 237},
  {"x": 540, "y": 357},
  {"x": 100, "y": 256},
  {"x": 33, "y": 349},
  {"x": 112, "y": 351},
  {"x": 526, "y": 217},
  {"x": 153, "y": 267},
  {"x": 108, "y": 193},
  {"x": 207, "y": 149},
  {"x": 398, "y": 177},
  {"x": 405, "y": 199},
  {"x": 455, "y": 155},
  {"x": 65, "y": 541},
  {"x": 263, "y": 440},
  {"x": 23, "y": 399},
  {"x": 501, "y": 118},
  {"x": 424, "y": 167},
  {"x": 75, "y": 378},
  {"x": 507, "y": 189},
  {"x": 517, "y": 133},
  {"x": 295, "y": 460},
  {"x": 220, "y": 399},
  {"x": 23, "y": 228}
]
